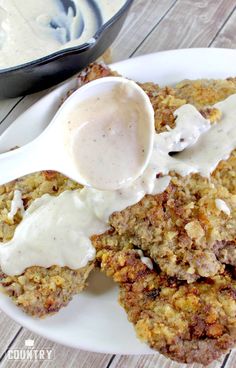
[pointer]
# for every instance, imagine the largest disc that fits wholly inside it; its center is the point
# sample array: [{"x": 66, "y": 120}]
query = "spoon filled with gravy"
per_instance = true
[{"x": 102, "y": 137}]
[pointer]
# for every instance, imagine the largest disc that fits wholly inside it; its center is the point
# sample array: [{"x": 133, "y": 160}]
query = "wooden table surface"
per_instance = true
[{"x": 152, "y": 25}]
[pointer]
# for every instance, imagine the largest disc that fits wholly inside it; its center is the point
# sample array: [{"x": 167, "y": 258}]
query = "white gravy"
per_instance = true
[
  {"x": 60, "y": 228},
  {"x": 57, "y": 230},
  {"x": 30, "y": 30},
  {"x": 145, "y": 260},
  {"x": 116, "y": 140},
  {"x": 16, "y": 205},
  {"x": 216, "y": 144},
  {"x": 222, "y": 206}
]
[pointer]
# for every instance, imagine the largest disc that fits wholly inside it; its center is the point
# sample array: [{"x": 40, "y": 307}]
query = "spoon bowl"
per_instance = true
[{"x": 52, "y": 150}]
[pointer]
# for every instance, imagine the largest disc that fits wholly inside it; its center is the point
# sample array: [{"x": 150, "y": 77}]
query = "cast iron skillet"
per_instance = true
[{"x": 54, "y": 68}]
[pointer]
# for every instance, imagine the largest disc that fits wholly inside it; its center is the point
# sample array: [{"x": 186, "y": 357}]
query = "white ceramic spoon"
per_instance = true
[{"x": 48, "y": 151}]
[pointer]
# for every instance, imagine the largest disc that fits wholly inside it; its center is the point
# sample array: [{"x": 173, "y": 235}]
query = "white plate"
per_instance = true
[{"x": 94, "y": 321}]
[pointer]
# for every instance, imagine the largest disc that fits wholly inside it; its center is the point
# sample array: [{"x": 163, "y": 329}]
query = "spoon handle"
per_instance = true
[{"x": 21, "y": 161}]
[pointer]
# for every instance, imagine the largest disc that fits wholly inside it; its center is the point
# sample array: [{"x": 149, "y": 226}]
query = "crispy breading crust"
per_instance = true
[
  {"x": 181, "y": 229},
  {"x": 186, "y": 322},
  {"x": 38, "y": 291},
  {"x": 225, "y": 173},
  {"x": 41, "y": 291},
  {"x": 205, "y": 92}
]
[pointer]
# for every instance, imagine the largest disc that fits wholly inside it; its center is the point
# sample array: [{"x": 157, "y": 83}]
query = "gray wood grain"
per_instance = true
[
  {"x": 6, "y": 106},
  {"x": 63, "y": 356},
  {"x": 188, "y": 24},
  {"x": 8, "y": 329},
  {"x": 227, "y": 36},
  {"x": 142, "y": 18},
  {"x": 231, "y": 361},
  {"x": 154, "y": 361},
  {"x": 20, "y": 107}
]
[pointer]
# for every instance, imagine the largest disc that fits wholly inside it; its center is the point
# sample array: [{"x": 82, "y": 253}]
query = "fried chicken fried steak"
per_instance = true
[
  {"x": 186, "y": 306},
  {"x": 38, "y": 291},
  {"x": 185, "y": 322}
]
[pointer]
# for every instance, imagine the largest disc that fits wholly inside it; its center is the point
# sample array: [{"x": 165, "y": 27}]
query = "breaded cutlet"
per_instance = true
[
  {"x": 38, "y": 291},
  {"x": 181, "y": 229},
  {"x": 185, "y": 322}
]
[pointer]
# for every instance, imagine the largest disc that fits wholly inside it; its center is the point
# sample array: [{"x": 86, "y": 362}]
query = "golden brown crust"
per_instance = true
[
  {"x": 188, "y": 323},
  {"x": 205, "y": 92},
  {"x": 93, "y": 72},
  {"x": 225, "y": 173},
  {"x": 38, "y": 291},
  {"x": 180, "y": 229}
]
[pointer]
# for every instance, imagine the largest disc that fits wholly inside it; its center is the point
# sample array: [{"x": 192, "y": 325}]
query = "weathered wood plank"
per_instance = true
[
  {"x": 6, "y": 106},
  {"x": 143, "y": 16},
  {"x": 231, "y": 362},
  {"x": 21, "y": 107},
  {"x": 154, "y": 361},
  {"x": 226, "y": 37},
  {"x": 63, "y": 357},
  {"x": 188, "y": 24},
  {"x": 8, "y": 329}
]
